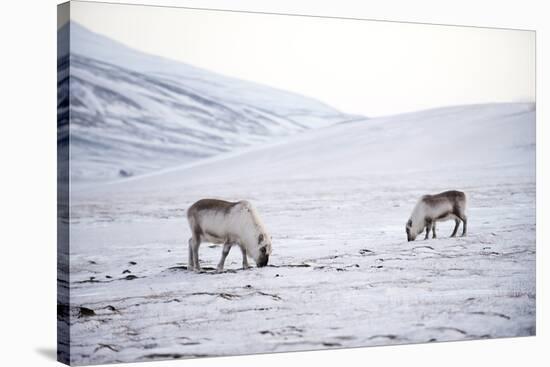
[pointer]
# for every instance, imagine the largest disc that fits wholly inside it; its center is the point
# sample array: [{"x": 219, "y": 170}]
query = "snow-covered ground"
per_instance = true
[{"x": 335, "y": 200}]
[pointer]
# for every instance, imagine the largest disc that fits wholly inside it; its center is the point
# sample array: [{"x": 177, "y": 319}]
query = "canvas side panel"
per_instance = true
[{"x": 63, "y": 119}]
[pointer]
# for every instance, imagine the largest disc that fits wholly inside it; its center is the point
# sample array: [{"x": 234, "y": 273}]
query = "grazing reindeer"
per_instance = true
[
  {"x": 219, "y": 221},
  {"x": 434, "y": 208}
]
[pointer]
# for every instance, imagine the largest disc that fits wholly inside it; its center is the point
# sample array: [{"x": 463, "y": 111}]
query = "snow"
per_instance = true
[{"x": 335, "y": 200}]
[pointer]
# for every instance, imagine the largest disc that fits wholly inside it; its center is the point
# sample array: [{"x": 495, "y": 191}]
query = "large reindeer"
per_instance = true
[{"x": 230, "y": 223}]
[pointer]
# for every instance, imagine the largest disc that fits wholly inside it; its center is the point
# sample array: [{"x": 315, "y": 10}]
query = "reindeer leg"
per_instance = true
[
  {"x": 196, "y": 242},
  {"x": 457, "y": 223},
  {"x": 428, "y": 229},
  {"x": 433, "y": 230},
  {"x": 225, "y": 252},
  {"x": 245, "y": 260},
  {"x": 464, "y": 224},
  {"x": 190, "y": 261}
]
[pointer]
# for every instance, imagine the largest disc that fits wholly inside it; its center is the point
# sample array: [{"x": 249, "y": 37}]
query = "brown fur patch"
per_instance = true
[
  {"x": 211, "y": 204},
  {"x": 453, "y": 196}
]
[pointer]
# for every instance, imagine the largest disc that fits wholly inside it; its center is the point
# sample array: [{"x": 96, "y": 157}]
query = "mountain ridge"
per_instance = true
[
  {"x": 498, "y": 136},
  {"x": 133, "y": 113}
]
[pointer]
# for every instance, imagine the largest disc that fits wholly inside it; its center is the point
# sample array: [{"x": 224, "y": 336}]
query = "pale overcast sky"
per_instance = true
[{"x": 365, "y": 67}]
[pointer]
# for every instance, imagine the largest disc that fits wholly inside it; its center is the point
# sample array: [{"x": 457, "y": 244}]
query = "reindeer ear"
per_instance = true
[{"x": 260, "y": 238}]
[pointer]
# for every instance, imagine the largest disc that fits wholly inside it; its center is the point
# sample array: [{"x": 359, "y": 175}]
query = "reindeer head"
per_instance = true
[
  {"x": 413, "y": 229},
  {"x": 411, "y": 235},
  {"x": 262, "y": 250}
]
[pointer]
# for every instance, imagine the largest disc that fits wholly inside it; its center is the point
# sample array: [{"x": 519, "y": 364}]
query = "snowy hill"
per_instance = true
[
  {"x": 452, "y": 140},
  {"x": 133, "y": 113}
]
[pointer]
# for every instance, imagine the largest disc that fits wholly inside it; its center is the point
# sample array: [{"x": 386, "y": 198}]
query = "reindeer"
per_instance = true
[
  {"x": 230, "y": 223},
  {"x": 436, "y": 208}
]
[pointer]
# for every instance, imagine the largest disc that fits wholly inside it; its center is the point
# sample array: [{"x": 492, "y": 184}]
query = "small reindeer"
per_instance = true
[
  {"x": 230, "y": 223},
  {"x": 436, "y": 208}
]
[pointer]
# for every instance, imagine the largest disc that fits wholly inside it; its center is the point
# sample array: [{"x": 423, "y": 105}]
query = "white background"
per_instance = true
[{"x": 28, "y": 184}]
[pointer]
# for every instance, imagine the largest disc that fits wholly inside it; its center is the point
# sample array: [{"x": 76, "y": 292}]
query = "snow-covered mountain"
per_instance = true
[
  {"x": 133, "y": 113},
  {"x": 455, "y": 141}
]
